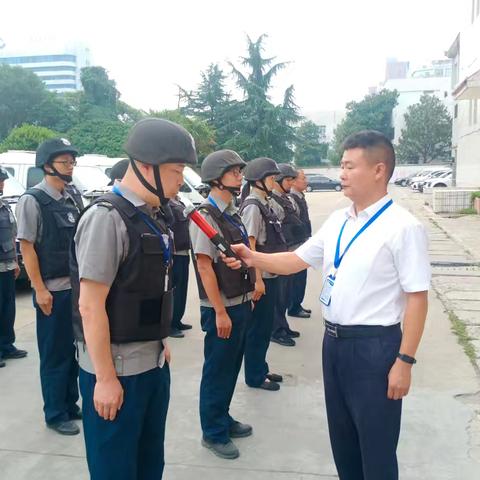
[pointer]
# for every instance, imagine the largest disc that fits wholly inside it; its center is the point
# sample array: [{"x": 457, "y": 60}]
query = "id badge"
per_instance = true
[{"x": 326, "y": 293}]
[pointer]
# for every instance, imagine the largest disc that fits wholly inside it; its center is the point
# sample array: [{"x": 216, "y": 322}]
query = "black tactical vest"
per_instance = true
[
  {"x": 58, "y": 222},
  {"x": 179, "y": 226},
  {"x": 7, "y": 234},
  {"x": 140, "y": 303},
  {"x": 233, "y": 283},
  {"x": 275, "y": 241},
  {"x": 292, "y": 226},
  {"x": 304, "y": 215}
]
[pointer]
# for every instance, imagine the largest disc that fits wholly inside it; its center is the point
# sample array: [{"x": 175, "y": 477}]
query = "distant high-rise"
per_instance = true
[
  {"x": 58, "y": 65},
  {"x": 395, "y": 69}
]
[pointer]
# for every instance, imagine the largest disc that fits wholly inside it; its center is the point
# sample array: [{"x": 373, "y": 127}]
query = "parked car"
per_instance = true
[
  {"x": 439, "y": 181},
  {"x": 404, "y": 181},
  {"x": 421, "y": 179},
  {"x": 321, "y": 182}
]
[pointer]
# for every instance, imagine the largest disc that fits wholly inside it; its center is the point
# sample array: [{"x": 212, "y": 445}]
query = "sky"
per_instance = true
[{"x": 336, "y": 48}]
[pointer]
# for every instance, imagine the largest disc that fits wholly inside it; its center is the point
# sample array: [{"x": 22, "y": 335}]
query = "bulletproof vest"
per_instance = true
[
  {"x": 179, "y": 226},
  {"x": 292, "y": 226},
  {"x": 304, "y": 216},
  {"x": 58, "y": 222},
  {"x": 73, "y": 191},
  {"x": 7, "y": 233},
  {"x": 275, "y": 241},
  {"x": 233, "y": 283},
  {"x": 140, "y": 301}
]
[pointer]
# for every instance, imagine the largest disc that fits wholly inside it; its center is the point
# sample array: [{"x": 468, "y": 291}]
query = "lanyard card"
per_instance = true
[{"x": 326, "y": 293}]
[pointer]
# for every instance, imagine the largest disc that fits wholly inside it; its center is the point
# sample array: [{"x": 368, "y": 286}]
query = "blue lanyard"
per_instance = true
[
  {"x": 338, "y": 257},
  {"x": 166, "y": 249},
  {"x": 231, "y": 221}
]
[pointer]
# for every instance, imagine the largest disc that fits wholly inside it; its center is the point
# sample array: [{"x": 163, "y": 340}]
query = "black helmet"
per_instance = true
[
  {"x": 260, "y": 168},
  {"x": 156, "y": 141},
  {"x": 217, "y": 163},
  {"x": 117, "y": 172},
  {"x": 3, "y": 174},
  {"x": 286, "y": 170},
  {"x": 50, "y": 149}
]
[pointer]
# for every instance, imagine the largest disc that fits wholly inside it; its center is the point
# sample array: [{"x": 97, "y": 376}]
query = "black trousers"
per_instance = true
[
  {"x": 280, "y": 322},
  {"x": 298, "y": 285},
  {"x": 7, "y": 310},
  {"x": 364, "y": 425},
  {"x": 180, "y": 282}
]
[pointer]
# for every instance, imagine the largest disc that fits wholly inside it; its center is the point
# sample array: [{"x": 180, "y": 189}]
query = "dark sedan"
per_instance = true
[{"x": 320, "y": 182}]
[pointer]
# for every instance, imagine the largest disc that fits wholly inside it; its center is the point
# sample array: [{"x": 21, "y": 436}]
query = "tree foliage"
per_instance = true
[
  {"x": 310, "y": 150},
  {"x": 374, "y": 112},
  {"x": 26, "y": 137},
  {"x": 427, "y": 133}
]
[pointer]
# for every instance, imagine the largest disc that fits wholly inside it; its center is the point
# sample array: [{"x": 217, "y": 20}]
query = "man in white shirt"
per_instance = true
[{"x": 374, "y": 258}]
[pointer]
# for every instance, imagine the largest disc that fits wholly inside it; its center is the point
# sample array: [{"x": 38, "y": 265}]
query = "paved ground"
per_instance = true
[{"x": 440, "y": 427}]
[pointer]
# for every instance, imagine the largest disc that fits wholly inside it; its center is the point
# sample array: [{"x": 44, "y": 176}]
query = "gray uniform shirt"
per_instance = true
[
  {"x": 202, "y": 245},
  {"x": 255, "y": 224},
  {"x": 11, "y": 264},
  {"x": 101, "y": 245},
  {"x": 29, "y": 219}
]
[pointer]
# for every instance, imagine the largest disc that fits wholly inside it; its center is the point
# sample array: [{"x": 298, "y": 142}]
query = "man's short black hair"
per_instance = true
[{"x": 373, "y": 140}]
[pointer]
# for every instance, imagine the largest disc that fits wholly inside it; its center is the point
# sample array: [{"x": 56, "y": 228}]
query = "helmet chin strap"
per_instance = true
[
  {"x": 263, "y": 187},
  {"x": 56, "y": 173},
  {"x": 158, "y": 189},
  {"x": 233, "y": 190},
  {"x": 281, "y": 185}
]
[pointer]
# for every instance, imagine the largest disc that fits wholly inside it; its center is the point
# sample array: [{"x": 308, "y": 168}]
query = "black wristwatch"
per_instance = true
[{"x": 406, "y": 358}]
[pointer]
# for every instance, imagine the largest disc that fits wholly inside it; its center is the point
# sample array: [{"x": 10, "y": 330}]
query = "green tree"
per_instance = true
[
  {"x": 427, "y": 134},
  {"x": 310, "y": 150},
  {"x": 26, "y": 137},
  {"x": 101, "y": 136},
  {"x": 100, "y": 94},
  {"x": 25, "y": 99},
  {"x": 254, "y": 126},
  {"x": 201, "y": 131},
  {"x": 374, "y": 112}
]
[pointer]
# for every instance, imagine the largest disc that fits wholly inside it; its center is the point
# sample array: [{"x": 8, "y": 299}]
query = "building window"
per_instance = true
[
  {"x": 38, "y": 59},
  {"x": 57, "y": 68},
  {"x": 455, "y": 111},
  {"x": 58, "y": 77}
]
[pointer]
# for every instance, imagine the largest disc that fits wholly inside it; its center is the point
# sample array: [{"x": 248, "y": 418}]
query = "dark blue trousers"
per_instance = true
[
  {"x": 58, "y": 365},
  {"x": 298, "y": 285},
  {"x": 131, "y": 447},
  {"x": 223, "y": 359},
  {"x": 364, "y": 425},
  {"x": 180, "y": 282},
  {"x": 257, "y": 339},
  {"x": 7, "y": 310},
  {"x": 280, "y": 323}
]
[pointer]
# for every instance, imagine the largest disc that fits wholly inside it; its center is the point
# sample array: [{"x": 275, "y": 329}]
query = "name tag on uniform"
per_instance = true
[{"x": 326, "y": 293}]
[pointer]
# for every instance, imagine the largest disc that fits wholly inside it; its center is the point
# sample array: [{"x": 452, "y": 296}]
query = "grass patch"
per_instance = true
[
  {"x": 468, "y": 211},
  {"x": 460, "y": 329}
]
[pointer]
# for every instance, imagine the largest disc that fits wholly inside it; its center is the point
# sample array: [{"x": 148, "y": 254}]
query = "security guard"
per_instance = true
[
  {"x": 374, "y": 259},
  {"x": 225, "y": 304},
  {"x": 117, "y": 172},
  {"x": 46, "y": 217},
  {"x": 265, "y": 235},
  {"x": 123, "y": 302},
  {"x": 181, "y": 263},
  {"x": 9, "y": 271},
  {"x": 299, "y": 280},
  {"x": 294, "y": 232}
]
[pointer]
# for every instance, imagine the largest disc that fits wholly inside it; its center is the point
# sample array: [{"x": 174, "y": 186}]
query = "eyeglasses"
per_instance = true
[{"x": 67, "y": 162}]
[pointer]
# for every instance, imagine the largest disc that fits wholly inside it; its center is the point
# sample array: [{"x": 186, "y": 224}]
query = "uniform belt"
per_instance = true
[{"x": 356, "y": 331}]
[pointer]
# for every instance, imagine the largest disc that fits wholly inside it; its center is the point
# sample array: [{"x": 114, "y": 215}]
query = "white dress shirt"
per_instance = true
[{"x": 388, "y": 260}]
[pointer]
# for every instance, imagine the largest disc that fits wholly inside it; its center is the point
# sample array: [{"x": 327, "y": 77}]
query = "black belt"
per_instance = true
[{"x": 355, "y": 331}]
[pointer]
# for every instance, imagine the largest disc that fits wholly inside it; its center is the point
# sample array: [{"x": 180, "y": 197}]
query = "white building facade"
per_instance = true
[
  {"x": 465, "y": 54},
  {"x": 57, "y": 65}
]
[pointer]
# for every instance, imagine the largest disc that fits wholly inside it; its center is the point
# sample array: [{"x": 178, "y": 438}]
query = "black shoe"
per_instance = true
[
  {"x": 274, "y": 377},
  {"x": 293, "y": 333},
  {"x": 283, "y": 340},
  {"x": 66, "y": 427},
  {"x": 300, "y": 314},
  {"x": 308, "y": 310},
  {"x": 2, "y": 362},
  {"x": 184, "y": 326},
  {"x": 176, "y": 333},
  {"x": 269, "y": 385},
  {"x": 75, "y": 416},
  {"x": 14, "y": 353},
  {"x": 227, "y": 450},
  {"x": 240, "y": 430}
]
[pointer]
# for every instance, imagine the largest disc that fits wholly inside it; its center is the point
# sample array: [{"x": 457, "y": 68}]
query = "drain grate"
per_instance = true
[{"x": 454, "y": 264}]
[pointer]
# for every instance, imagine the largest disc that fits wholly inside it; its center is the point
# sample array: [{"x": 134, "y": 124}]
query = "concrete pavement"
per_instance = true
[{"x": 290, "y": 438}]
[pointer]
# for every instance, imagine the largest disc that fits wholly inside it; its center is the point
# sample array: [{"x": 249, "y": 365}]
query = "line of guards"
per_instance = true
[{"x": 126, "y": 274}]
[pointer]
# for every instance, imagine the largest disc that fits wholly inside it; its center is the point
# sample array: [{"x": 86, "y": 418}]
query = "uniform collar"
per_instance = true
[
  {"x": 52, "y": 192},
  {"x": 278, "y": 194},
  {"x": 129, "y": 195},
  {"x": 255, "y": 194},
  {"x": 297, "y": 193},
  {"x": 369, "y": 211},
  {"x": 223, "y": 206}
]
